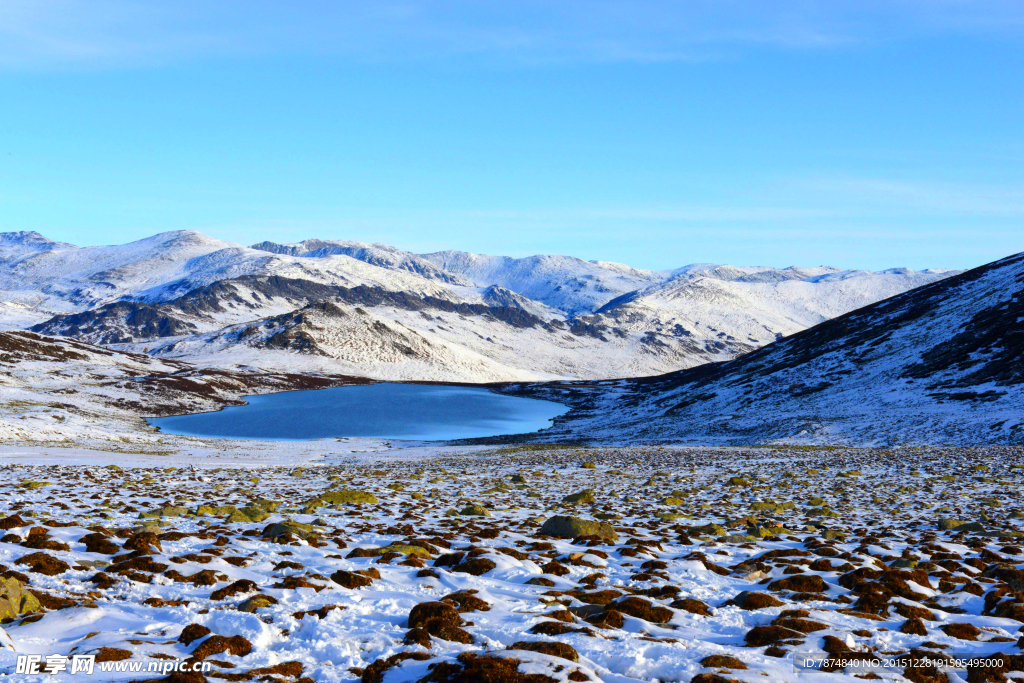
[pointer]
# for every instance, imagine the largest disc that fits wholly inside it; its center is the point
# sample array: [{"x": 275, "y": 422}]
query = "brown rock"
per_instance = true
[
  {"x": 722, "y": 662},
  {"x": 350, "y": 579},
  {"x": 551, "y": 649},
  {"x": 472, "y": 668},
  {"x": 41, "y": 563},
  {"x": 804, "y": 583},
  {"x": 693, "y": 606},
  {"x": 914, "y": 627},
  {"x": 766, "y": 635},
  {"x": 643, "y": 609},
  {"x": 192, "y": 633},
  {"x": 214, "y": 645},
  {"x": 421, "y": 613},
  {"x": 236, "y": 588}
]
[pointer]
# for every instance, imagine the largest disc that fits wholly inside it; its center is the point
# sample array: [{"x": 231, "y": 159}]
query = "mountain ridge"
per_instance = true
[{"x": 191, "y": 296}]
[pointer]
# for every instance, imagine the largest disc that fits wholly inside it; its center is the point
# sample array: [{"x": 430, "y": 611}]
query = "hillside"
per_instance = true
[
  {"x": 939, "y": 364},
  {"x": 67, "y": 392}
]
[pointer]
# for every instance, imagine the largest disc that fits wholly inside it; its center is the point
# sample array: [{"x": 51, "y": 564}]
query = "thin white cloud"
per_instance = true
[
  {"x": 917, "y": 197},
  {"x": 126, "y": 33}
]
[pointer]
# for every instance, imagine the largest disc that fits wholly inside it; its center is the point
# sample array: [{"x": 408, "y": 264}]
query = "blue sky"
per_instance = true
[{"x": 860, "y": 134}]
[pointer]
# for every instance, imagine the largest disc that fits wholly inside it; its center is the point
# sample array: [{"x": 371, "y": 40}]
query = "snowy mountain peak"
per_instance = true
[{"x": 29, "y": 240}]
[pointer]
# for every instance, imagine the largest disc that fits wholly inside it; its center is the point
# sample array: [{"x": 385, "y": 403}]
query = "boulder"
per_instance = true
[
  {"x": 584, "y": 497},
  {"x": 565, "y": 526},
  {"x": 15, "y": 600},
  {"x": 348, "y": 497}
]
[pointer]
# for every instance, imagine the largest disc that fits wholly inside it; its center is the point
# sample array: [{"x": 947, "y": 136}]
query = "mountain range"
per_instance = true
[
  {"x": 376, "y": 311},
  {"x": 940, "y": 364}
]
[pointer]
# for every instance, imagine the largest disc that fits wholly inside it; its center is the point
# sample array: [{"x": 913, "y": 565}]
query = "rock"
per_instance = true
[
  {"x": 403, "y": 549},
  {"x": 250, "y": 514},
  {"x": 469, "y": 667},
  {"x": 215, "y": 645},
  {"x": 961, "y": 630},
  {"x": 350, "y": 580},
  {"x": 236, "y": 588},
  {"x": 99, "y": 543},
  {"x": 642, "y": 609},
  {"x": 722, "y": 662},
  {"x": 466, "y": 601},
  {"x": 584, "y": 497},
  {"x": 256, "y": 602},
  {"x": 424, "y": 611},
  {"x": 475, "y": 511},
  {"x": 215, "y": 510},
  {"x": 417, "y": 636},
  {"x": 563, "y": 526},
  {"x": 551, "y": 649},
  {"x": 304, "y": 531},
  {"x": 803, "y": 583},
  {"x": 376, "y": 671},
  {"x": 737, "y": 481},
  {"x": 670, "y": 500},
  {"x": 476, "y": 566},
  {"x": 753, "y": 600},
  {"x": 12, "y": 522},
  {"x": 348, "y": 497},
  {"x": 794, "y": 620},
  {"x": 552, "y": 628},
  {"x": 112, "y": 654},
  {"x": 766, "y": 635},
  {"x": 41, "y": 563},
  {"x": 15, "y": 600},
  {"x": 143, "y": 542},
  {"x": 540, "y": 581},
  {"x": 709, "y": 530},
  {"x": 914, "y": 627},
  {"x": 693, "y": 606},
  {"x": 608, "y": 619},
  {"x": 166, "y": 511},
  {"x": 193, "y": 632}
]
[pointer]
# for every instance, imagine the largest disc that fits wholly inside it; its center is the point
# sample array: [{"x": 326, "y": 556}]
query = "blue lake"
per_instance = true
[{"x": 418, "y": 412}]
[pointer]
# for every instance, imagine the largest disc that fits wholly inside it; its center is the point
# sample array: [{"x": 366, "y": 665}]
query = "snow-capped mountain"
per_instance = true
[
  {"x": 939, "y": 364},
  {"x": 569, "y": 284},
  {"x": 753, "y": 306},
  {"x": 374, "y": 310}
]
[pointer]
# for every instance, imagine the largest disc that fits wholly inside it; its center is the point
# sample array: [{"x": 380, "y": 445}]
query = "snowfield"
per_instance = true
[{"x": 443, "y": 564}]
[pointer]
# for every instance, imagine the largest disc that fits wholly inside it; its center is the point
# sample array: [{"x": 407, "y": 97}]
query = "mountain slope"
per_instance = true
[
  {"x": 939, "y": 364},
  {"x": 754, "y": 306}
]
